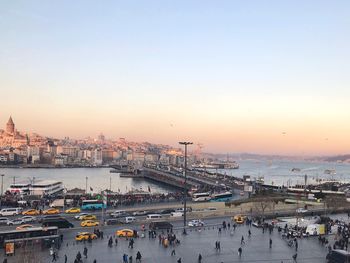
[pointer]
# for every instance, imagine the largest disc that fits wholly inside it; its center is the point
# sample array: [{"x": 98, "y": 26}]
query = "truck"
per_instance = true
[{"x": 61, "y": 203}]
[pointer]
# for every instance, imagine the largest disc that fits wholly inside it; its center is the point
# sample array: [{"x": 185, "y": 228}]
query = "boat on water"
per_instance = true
[
  {"x": 217, "y": 165},
  {"x": 221, "y": 197},
  {"x": 330, "y": 171},
  {"x": 39, "y": 188},
  {"x": 295, "y": 170}
]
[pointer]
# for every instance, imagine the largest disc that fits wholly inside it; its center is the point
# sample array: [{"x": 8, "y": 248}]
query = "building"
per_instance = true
[{"x": 10, "y": 126}]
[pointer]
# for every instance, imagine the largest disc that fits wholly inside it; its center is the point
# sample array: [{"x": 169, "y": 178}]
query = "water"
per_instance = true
[
  {"x": 98, "y": 179},
  {"x": 275, "y": 171},
  {"x": 279, "y": 172}
]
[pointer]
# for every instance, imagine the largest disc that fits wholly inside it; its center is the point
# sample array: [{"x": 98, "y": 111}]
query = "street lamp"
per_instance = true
[
  {"x": 86, "y": 183},
  {"x": 185, "y": 186},
  {"x": 2, "y": 184}
]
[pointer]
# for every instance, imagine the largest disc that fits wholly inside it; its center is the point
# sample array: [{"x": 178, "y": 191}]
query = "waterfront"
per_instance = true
[
  {"x": 98, "y": 179},
  {"x": 276, "y": 172}
]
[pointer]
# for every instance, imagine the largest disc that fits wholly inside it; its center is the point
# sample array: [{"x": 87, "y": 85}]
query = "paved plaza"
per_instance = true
[{"x": 255, "y": 249}]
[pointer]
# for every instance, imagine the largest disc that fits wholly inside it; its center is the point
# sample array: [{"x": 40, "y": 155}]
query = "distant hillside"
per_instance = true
[{"x": 337, "y": 158}]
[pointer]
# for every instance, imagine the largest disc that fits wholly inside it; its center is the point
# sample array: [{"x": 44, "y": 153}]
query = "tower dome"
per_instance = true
[{"x": 10, "y": 126}]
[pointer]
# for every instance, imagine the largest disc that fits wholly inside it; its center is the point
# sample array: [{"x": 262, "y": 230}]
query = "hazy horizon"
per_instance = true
[{"x": 236, "y": 76}]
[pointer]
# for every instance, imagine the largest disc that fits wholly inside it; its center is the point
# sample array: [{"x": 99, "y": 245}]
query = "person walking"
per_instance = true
[
  {"x": 179, "y": 260},
  {"x": 295, "y": 257},
  {"x": 95, "y": 261},
  {"x": 54, "y": 257},
  {"x": 85, "y": 252},
  {"x": 199, "y": 258},
  {"x": 242, "y": 240},
  {"x": 270, "y": 242},
  {"x": 65, "y": 258},
  {"x": 249, "y": 233},
  {"x": 138, "y": 256},
  {"x": 130, "y": 259},
  {"x": 5, "y": 260},
  {"x": 240, "y": 251},
  {"x": 296, "y": 245},
  {"x": 173, "y": 252},
  {"x": 125, "y": 258}
]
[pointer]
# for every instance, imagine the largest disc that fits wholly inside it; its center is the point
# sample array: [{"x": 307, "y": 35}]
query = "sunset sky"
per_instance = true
[{"x": 237, "y": 76}]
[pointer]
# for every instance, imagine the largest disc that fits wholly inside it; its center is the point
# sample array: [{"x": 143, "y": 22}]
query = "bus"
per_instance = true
[
  {"x": 93, "y": 205},
  {"x": 201, "y": 197},
  {"x": 45, "y": 236}
]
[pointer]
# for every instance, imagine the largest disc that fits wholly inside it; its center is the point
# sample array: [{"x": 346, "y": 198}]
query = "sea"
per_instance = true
[{"x": 276, "y": 172}]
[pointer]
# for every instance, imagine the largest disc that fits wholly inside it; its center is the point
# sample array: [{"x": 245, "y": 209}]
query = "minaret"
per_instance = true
[{"x": 10, "y": 126}]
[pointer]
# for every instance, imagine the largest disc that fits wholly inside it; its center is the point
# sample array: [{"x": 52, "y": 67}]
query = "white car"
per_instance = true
[
  {"x": 196, "y": 222},
  {"x": 3, "y": 220},
  {"x": 81, "y": 214},
  {"x": 28, "y": 219},
  {"x": 17, "y": 221},
  {"x": 301, "y": 210}
]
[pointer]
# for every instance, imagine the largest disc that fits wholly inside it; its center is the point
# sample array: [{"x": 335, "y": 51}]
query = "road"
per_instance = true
[{"x": 255, "y": 249}]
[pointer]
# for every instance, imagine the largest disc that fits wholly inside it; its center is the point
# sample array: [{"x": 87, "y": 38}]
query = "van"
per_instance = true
[
  {"x": 59, "y": 222},
  {"x": 160, "y": 225},
  {"x": 10, "y": 211},
  {"x": 153, "y": 216},
  {"x": 176, "y": 214},
  {"x": 129, "y": 219},
  {"x": 118, "y": 213},
  {"x": 338, "y": 256}
]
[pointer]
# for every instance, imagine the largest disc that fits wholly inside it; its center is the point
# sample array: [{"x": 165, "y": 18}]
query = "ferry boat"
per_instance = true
[
  {"x": 222, "y": 197},
  {"x": 39, "y": 188},
  {"x": 46, "y": 188},
  {"x": 21, "y": 189}
]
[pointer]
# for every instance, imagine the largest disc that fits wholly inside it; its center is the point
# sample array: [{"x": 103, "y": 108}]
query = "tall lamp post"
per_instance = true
[
  {"x": 86, "y": 182},
  {"x": 2, "y": 184},
  {"x": 185, "y": 183},
  {"x": 2, "y": 189}
]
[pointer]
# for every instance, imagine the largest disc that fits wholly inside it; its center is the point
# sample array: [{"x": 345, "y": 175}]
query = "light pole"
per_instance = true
[
  {"x": 185, "y": 186},
  {"x": 86, "y": 181},
  {"x": 2, "y": 184}
]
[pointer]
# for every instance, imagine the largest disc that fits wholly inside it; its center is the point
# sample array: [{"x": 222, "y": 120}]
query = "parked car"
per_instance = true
[
  {"x": 119, "y": 213},
  {"x": 125, "y": 233},
  {"x": 28, "y": 219},
  {"x": 112, "y": 221},
  {"x": 85, "y": 236},
  {"x": 3, "y": 220},
  {"x": 10, "y": 211},
  {"x": 16, "y": 221},
  {"x": 31, "y": 212},
  {"x": 160, "y": 225},
  {"x": 195, "y": 223}
]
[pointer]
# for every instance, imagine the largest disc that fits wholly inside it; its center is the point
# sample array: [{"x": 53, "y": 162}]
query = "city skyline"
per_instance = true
[{"x": 234, "y": 76}]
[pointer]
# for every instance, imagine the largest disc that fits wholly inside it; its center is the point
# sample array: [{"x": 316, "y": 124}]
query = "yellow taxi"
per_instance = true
[
  {"x": 85, "y": 236},
  {"x": 31, "y": 212},
  {"x": 22, "y": 227},
  {"x": 72, "y": 210},
  {"x": 239, "y": 219},
  {"x": 88, "y": 223},
  {"x": 51, "y": 211},
  {"x": 88, "y": 217},
  {"x": 124, "y": 233}
]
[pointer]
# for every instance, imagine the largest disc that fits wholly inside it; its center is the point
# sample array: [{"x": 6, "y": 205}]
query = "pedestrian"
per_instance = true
[
  {"x": 179, "y": 260},
  {"x": 296, "y": 245},
  {"x": 219, "y": 246},
  {"x": 116, "y": 241},
  {"x": 125, "y": 258},
  {"x": 95, "y": 261},
  {"x": 173, "y": 252},
  {"x": 199, "y": 258},
  {"x": 54, "y": 257},
  {"x": 5, "y": 260},
  {"x": 239, "y": 251},
  {"x": 295, "y": 257},
  {"x": 130, "y": 259},
  {"x": 138, "y": 256},
  {"x": 270, "y": 242},
  {"x": 78, "y": 257},
  {"x": 242, "y": 240},
  {"x": 65, "y": 259},
  {"x": 85, "y": 252},
  {"x": 249, "y": 233}
]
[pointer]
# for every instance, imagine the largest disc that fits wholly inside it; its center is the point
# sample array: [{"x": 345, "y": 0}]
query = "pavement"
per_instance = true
[{"x": 255, "y": 249}]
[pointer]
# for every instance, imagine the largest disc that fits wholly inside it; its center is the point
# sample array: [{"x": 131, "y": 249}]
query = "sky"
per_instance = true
[{"x": 269, "y": 77}]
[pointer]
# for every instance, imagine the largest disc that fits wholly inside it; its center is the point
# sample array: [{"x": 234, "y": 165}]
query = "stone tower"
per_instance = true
[{"x": 10, "y": 126}]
